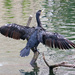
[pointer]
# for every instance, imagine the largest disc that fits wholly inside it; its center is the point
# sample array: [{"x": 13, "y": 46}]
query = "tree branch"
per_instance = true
[
  {"x": 45, "y": 60},
  {"x": 64, "y": 64},
  {"x": 36, "y": 54},
  {"x": 57, "y": 65},
  {"x": 29, "y": 20}
]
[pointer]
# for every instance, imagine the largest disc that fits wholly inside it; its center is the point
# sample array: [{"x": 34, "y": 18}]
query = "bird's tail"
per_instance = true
[{"x": 24, "y": 52}]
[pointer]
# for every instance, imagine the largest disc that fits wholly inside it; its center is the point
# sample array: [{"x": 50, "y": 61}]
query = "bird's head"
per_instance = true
[{"x": 38, "y": 12}]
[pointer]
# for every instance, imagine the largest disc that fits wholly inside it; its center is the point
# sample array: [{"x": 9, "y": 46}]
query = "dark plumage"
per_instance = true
[
  {"x": 37, "y": 18},
  {"x": 16, "y": 31},
  {"x": 57, "y": 40},
  {"x": 35, "y": 36},
  {"x": 32, "y": 43}
]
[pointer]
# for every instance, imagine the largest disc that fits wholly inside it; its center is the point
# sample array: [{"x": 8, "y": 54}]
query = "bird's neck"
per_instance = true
[{"x": 38, "y": 21}]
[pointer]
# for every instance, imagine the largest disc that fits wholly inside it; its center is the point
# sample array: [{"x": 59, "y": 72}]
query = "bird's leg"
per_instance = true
[
  {"x": 36, "y": 54},
  {"x": 35, "y": 50}
]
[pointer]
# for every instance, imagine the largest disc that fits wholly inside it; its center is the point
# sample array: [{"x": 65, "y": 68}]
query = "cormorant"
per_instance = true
[
  {"x": 35, "y": 35},
  {"x": 50, "y": 39}
]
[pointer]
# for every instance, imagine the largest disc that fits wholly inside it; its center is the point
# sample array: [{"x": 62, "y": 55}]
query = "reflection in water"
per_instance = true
[
  {"x": 25, "y": 5},
  {"x": 34, "y": 72},
  {"x": 8, "y": 10},
  {"x": 25, "y": 8},
  {"x": 61, "y": 17}
]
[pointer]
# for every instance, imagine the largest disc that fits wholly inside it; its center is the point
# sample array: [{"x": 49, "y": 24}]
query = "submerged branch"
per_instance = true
[
  {"x": 45, "y": 60},
  {"x": 57, "y": 65},
  {"x": 64, "y": 64}
]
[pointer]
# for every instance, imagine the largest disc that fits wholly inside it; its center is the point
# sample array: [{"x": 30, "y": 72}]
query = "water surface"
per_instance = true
[{"x": 58, "y": 16}]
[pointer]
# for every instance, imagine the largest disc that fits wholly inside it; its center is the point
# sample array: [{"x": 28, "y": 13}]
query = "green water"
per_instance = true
[{"x": 58, "y": 16}]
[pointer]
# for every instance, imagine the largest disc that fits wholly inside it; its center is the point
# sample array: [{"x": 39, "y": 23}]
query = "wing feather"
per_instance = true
[
  {"x": 56, "y": 40},
  {"x": 55, "y": 44},
  {"x": 14, "y": 31},
  {"x": 72, "y": 44}
]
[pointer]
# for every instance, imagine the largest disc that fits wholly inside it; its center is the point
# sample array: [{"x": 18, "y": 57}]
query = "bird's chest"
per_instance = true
[{"x": 33, "y": 41}]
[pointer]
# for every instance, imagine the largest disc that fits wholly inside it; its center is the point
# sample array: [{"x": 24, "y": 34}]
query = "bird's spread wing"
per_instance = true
[
  {"x": 56, "y": 40},
  {"x": 14, "y": 31}
]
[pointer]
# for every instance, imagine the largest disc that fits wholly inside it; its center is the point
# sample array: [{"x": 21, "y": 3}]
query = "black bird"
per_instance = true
[{"x": 35, "y": 35}]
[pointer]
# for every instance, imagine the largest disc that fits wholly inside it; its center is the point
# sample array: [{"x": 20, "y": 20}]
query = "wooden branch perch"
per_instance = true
[
  {"x": 57, "y": 65},
  {"x": 36, "y": 54},
  {"x": 29, "y": 20},
  {"x": 64, "y": 64},
  {"x": 45, "y": 60}
]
